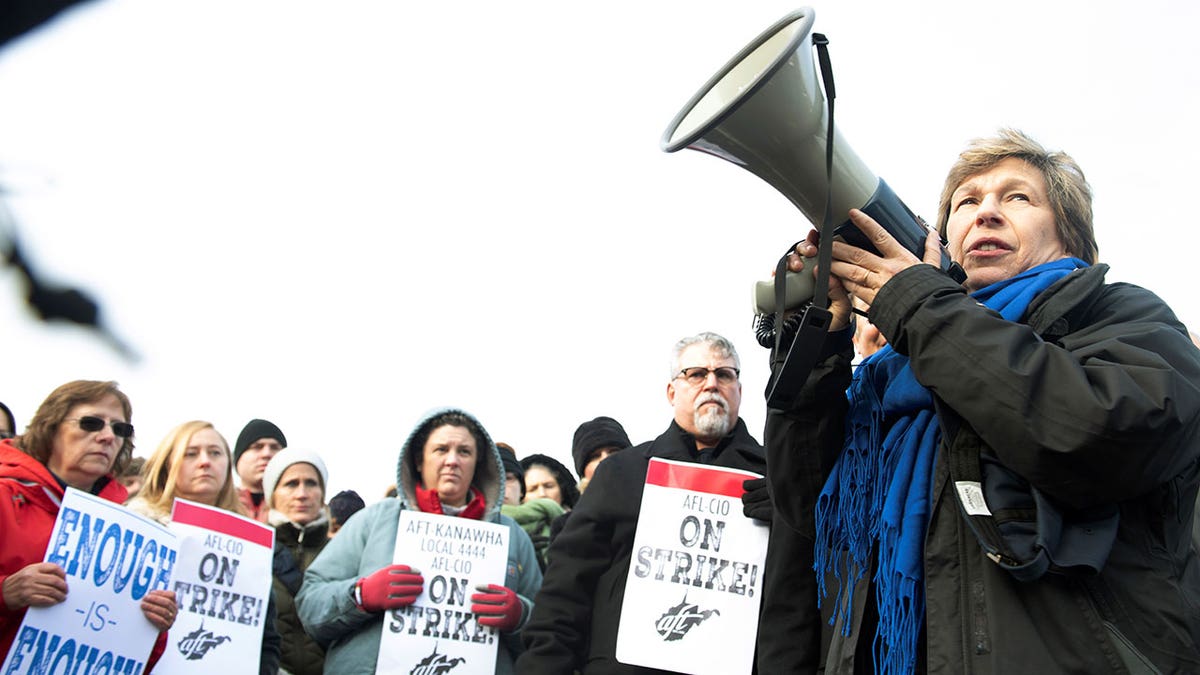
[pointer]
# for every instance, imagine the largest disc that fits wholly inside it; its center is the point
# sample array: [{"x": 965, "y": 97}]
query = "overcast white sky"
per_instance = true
[{"x": 337, "y": 216}]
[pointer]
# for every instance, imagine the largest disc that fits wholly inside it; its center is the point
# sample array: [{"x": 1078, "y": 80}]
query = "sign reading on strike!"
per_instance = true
[
  {"x": 222, "y": 583},
  {"x": 695, "y": 582},
  {"x": 439, "y": 632}
]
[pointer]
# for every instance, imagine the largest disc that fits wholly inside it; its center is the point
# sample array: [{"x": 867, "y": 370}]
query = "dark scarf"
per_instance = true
[
  {"x": 878, "y": 497},
  {"x": 429, "y": 502}
]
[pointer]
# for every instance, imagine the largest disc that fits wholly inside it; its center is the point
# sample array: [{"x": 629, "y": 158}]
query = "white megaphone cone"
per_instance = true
[{"x": 765, "y": 111}]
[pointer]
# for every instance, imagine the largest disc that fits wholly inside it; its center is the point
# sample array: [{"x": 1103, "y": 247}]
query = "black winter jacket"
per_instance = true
[
  {"x": 577, "y": 611},
  {"x": 295, "y": 549},
  {"x": 1094, "y": 399}
]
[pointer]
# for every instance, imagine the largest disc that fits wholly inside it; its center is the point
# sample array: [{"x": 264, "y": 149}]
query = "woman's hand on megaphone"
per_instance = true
[
  {"x": 863, "y": 273},
  {"x": 839, "y": 299}
]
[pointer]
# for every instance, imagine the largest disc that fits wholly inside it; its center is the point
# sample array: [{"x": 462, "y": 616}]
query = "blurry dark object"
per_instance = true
[
  {"x": 52, "y": 302},
  {"x": 18, "y": 17}
]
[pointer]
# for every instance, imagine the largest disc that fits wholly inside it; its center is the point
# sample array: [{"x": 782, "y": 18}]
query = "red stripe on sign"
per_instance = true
[
  {"x": 696, "y": 477},
  {"x": 224, "y": 523}
]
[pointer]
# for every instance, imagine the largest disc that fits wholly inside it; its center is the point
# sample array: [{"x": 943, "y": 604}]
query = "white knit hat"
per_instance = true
[{"x": 285, "y": 458}]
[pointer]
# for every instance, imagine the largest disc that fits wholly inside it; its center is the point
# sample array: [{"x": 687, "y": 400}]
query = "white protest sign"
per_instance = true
[
  {"x": 112, "y": 558},
  {"x": 695, "y": 582},
  {"x": 222, "y": 583},
  {"x": 438, "y": 631}
]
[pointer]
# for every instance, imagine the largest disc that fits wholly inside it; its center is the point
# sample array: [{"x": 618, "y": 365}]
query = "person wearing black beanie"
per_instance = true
[
  {"x": 255, "y": 446},
  {"x": 535, "y": 516},
  {"x": 548, "y": 477},
  {"x": 595, "y": 440},
  {"x": 514, "y": 475}
]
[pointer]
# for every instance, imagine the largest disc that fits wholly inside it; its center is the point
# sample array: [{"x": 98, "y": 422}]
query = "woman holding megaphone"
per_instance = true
[{"x": 1008, "y": 484}]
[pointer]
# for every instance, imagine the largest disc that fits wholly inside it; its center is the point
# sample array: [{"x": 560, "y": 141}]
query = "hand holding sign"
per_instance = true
[
  {"x": 392, "y": 587},
  {"x": 160, "y": 609},
  {"x": 756, "y": 501},
  {"x": 38, "y": 585},
  {"x": 497, "y": 607}
]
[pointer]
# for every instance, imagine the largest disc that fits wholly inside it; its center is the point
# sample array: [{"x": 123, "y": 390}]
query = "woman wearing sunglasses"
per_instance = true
[
  {"x": 193, "y": 462},
  {"x": 79, "y": 437}
]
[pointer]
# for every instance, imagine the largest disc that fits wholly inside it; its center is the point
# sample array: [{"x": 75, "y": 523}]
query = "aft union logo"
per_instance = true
[
  {"x": 680, "y": 619},
  {"x": 196, "y": 644},
  {"x": 435, "y": 664}
]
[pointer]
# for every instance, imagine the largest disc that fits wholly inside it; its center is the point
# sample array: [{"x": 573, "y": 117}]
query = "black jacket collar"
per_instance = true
[{"x": 737, "y": 449}]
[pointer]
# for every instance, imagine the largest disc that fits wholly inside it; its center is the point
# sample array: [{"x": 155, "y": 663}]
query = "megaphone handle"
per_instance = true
[
  {"x": 802, "y": 355},
  {"x": 781, "y": 294}
]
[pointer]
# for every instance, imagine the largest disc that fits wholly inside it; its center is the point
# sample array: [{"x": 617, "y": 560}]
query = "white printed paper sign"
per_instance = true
[
  {"x": 438, "y": 632},
  {"x": 112, "y": 558},
  {"x": 222, "y": 585},
  {"x": 695, "y": 582}
]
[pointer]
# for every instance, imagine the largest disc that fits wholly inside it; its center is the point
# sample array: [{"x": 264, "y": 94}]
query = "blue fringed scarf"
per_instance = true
[{"x": 878, "y": 496}]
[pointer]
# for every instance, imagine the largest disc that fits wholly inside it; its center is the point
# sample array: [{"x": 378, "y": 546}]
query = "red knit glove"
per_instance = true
[
  {"x": 389, "y": 588},
  {"x": 497, "y": 607}
]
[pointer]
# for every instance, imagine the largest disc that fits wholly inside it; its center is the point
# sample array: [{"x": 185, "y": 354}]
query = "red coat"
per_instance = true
[
  {"x": 29, "y": 500},
  {"x": 259, "y": 512}
]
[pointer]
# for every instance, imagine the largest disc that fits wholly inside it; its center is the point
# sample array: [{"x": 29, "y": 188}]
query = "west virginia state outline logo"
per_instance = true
[
  {"x": 680, "y": 619},
  {"x": 196, "y": 644},
  {"x": 436, "y": 664}
]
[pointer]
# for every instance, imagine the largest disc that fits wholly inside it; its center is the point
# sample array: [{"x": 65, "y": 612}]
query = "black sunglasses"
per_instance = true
[{"x": 90, "y": 423}]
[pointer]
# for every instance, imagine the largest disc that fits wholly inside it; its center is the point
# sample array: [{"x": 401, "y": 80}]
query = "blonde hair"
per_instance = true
[
  {"x": 1067, "y": 188},
  {"x": 162, "y": 470}
]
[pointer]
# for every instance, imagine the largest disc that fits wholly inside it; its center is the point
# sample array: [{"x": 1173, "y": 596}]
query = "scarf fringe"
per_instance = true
[
  {"x": 877, "y": 500},
  {"x": 895, "y": 650}
]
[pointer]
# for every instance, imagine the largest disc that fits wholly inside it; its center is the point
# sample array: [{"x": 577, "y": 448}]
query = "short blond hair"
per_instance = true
[{"x": 1068, "y": 189}]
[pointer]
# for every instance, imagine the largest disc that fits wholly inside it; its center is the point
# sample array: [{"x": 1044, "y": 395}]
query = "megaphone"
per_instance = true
[{"x": 765, "y": 112}]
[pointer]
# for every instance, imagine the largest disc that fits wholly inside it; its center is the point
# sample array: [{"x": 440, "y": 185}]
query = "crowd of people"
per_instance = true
[
  {"x": 996, "y": 476},
  {"x": 82, "y": 437}
]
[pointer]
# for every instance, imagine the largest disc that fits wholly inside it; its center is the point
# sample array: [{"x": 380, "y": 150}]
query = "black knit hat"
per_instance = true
[
  {"x": 345, "y": 504},
  {"x": 567, "y": 484},
  {"x": 508, "y": 457},
  {"x": 254, "y": 430},
  {"x": 602, "y": 432}
]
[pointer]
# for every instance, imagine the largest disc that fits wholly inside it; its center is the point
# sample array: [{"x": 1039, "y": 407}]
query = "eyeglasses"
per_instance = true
[
  {"x": 698, "y": 375},
  {"x": 89, "y": 423}
]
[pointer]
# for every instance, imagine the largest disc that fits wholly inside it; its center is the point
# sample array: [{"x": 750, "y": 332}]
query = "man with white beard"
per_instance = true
[{"x": 576, "y": 614}]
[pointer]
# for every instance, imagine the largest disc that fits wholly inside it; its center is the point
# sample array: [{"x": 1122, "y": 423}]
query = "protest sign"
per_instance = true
[
  {"x": 438, "y": 631},
  {"x": 112, "y": 558},
  {"x": 695, "y": 582},
  {"x": 222, "y": 583}
]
